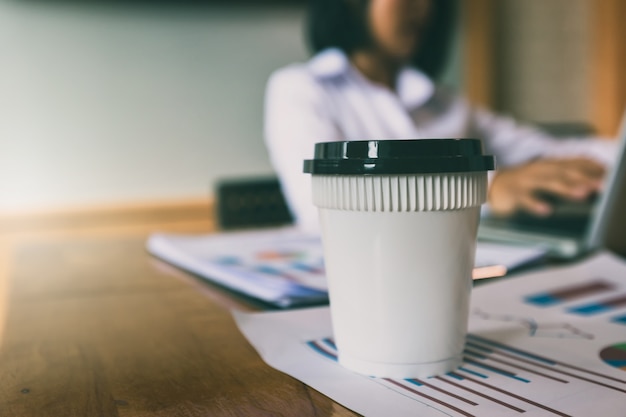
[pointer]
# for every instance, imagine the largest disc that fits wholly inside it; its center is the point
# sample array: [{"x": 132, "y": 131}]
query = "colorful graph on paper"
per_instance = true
[
  {"x": 283, "y": 267},
  {"x": 561, "y": 295},
  {"x": 595, "y": 297},
  {"x": 479, "y": 384},
  {"x": 292, "y": 261},
  {"x": 615, "y": 355}
]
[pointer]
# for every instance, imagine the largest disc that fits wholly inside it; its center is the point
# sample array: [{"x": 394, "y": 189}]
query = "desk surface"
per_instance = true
[{"x": 91, "y": 325}]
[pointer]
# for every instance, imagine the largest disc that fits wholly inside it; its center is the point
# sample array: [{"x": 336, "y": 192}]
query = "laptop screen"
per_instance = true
[{"x": 608, "y": 225}]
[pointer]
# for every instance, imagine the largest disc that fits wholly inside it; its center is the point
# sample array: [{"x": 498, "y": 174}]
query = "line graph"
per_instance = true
[{"x": 561, "y": 330}]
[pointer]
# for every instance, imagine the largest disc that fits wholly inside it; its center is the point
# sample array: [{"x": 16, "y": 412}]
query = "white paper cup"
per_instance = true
[{"x": 399, "y": 242}]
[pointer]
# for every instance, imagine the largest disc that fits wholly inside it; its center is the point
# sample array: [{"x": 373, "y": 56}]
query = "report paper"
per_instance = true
[{"x": 549, "y": 343}]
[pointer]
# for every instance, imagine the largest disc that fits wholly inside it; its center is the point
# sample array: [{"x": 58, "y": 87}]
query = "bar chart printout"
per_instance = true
[
  {"x": 478, "y": 382},
  {"x": 506, "y": 370}
]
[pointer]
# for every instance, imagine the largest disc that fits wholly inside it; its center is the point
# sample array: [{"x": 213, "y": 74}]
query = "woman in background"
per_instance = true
[{"x": 374, "y": 76}]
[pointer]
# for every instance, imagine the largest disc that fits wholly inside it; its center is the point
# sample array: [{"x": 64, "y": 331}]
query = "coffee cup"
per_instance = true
[{"x": 398, "y": 221}]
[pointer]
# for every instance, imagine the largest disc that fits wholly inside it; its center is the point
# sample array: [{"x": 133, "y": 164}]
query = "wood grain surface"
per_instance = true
[{"x": 91, "y": 325}]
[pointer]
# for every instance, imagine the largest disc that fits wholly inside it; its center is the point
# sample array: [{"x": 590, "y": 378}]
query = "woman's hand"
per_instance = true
[{"x": 518, "y": 188}]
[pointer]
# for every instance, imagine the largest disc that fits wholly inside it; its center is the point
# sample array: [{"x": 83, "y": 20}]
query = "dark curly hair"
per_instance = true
[{"x": 343, "y": 25}]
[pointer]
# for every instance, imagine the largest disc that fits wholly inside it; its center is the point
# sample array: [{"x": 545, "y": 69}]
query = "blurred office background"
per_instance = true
[{"x": 103, "y": 103}]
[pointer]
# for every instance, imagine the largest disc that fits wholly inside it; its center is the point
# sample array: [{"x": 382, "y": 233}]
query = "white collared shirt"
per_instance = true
[{"x": 327, "y": 99}]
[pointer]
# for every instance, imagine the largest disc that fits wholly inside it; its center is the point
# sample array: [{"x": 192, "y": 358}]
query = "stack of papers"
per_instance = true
[{"x": 284, "y": 267}]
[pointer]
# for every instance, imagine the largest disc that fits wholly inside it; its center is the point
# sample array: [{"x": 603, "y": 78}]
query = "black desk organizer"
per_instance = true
[{"x": 250, "y": 203}]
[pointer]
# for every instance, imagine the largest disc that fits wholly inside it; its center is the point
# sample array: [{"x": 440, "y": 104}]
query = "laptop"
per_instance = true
[{"x": 574, "y": 228}]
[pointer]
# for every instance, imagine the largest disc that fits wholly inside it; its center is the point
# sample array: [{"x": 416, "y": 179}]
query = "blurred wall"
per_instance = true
[
  {"x": 115, "y": 104},
  {"x": 118, "y": 104},
  {"x": 542, "y": 51}
]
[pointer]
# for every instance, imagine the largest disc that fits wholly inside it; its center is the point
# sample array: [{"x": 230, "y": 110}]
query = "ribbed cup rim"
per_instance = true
[
  {"x": 405, "y": 156},
  {"x": 400, "y": 193}
]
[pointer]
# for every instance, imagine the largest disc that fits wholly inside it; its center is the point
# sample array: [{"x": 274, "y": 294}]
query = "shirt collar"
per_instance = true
[{"x": 414, "y": 87}]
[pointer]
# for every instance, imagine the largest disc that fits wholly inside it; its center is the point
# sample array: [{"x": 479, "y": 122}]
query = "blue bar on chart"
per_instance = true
[
  {"x": 619, "y": 320},
  {"x": 598, "y": 307},
  {"x": 561, "y": 295}
]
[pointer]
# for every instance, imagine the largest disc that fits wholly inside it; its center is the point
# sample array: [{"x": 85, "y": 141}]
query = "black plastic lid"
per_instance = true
[{"x": 410, "y": 156}]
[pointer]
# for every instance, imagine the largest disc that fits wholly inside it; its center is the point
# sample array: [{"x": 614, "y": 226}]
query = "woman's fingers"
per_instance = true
[
  {"x": 519, "y": 188},
  {"x": 563, "y": 187},
  {"x": 531, "y": 203},
  {"x": 571, "y": 179}
]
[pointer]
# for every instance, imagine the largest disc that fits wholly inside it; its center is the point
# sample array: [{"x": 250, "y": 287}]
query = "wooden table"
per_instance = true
[{"x": 91, "y": 325}]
